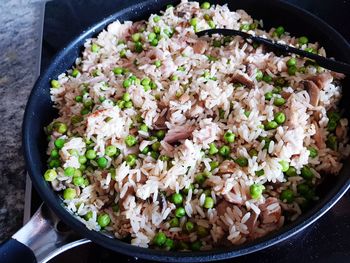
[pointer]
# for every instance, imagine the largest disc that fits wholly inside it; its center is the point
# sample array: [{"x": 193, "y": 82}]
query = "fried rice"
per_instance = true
[{"x": 177, "y": 142}]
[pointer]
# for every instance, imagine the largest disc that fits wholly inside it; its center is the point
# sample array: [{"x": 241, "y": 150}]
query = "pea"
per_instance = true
[
  {"x": 75, "y": 73},
  {"x": 95, "y": 48},
  {"x": 303, "y": 189},
  {"x": 103, "y": 220},
  {"x": 127, "y": 83},
  {"x": 122, "y": 53},
  {"x": 291, "y": 62},
  {"x": 54, "y": 153},
  {"x": 151, "y": 36},
  {"x": 193, "y": 22},
  {"x": 212, "y": 149},
  {"x": 256, "y": 190},
  {"x": 259, "y": 75},
  {"x": 131, "y": 160},
  {"x": 88, "y": 215},
  {"x": 332, "y": 125},
  {"x": 279, "y": 31},
  {"x": 118, "y": 70},
  {"x": 130, "y": 140},
  {"x": 78, "y": 181},
  {"x": 292, "y": 70},
  {"x": 157, "y": 63},
  {"x": 200, "y": 178},
  {"x": 138, "y": 47},
  {"x": 136, "y": 37},
  {"x": 180, "y": 212},
  {"x": 76, "y": 119},
  {"x": 177, "y": 198},
  {"x": 153, "y": 85},
  {"x": 287, "y": 196},
  {"x": 245, "y": 27},
  {"x": 247, "y": 113},
  {"x": 285, "y": 165},
  {"x": 50, "y": 175},
  {"x": 202, "y": 231},
  {"x": 208, "y": 202},
  {"x": 267, "y": 78},
  {"x": 78, "y": 98},
  {"x": 90, "y": 154},
  {"x": 145, "y": 150},
  {"x": 169, "y": 244},
  {"x": 55, "y": 84},
  {"x": 268, "y": 95},
  {"x": 303, "y": 40},
  {"x": 102, "y": 162},
  {"x": 189, "y": 226},
  {"x": 253, "y": 152},
  {"x": 279, "y": 101},
  {"x": 211, "y": 24},
  {"x": 213, "y": 165},
  {"x": 205, "y": 5},
  {"x": 84, "y": 111},
  {"x": 195, "y": 246},
  {"x": 69, "y": 194},
  {"x": 229, "y": 137},
  {"x": 69, "y": 171},
  {"x": 59, "y": 143},
  {"x": 267, "y": 142},
  {"x": 291, "y": 172},
  {"x": 156, "y": 29},
  {"x": 77, "y": 173},
  {"x": 242, "y": 161},
  {"x": 271, "y": 125},
  {"x": 312, "y": 152},
  {"x": 174, "y": 222},
  {"x": 280, "y": 117},
  {"x": 54, "y": 163},
  {"x": 260, "y": 172},
  {"x": 154, "y": 42},
  {"x": 217, "y": 43},
  {"x": 183, "y": 245},
  {"x": 160, "y": 134},
  {"x": 306, "y": 173},
  {"x": 224, "y": 151},
  {"x": 332, "y": 142}
]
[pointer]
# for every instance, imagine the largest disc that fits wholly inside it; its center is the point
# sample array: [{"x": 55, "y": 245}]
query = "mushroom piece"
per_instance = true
[
  {"x": 222, "y": 206},
  {"x": 243, "y": 79},
  {"x": 321, "y": 80},
  {"x": 200, "y": 46},
  {"x": 178, "y": 133},
  {"x": 227, "y": 167},
  {"x": 313, "y": 90},
  {"x": 319, "y": 142}
]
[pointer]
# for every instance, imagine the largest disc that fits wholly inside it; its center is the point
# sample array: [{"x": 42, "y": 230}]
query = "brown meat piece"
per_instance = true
[
  {"x": 243, "y": 79},
  {"x": 319, "y": 142},
  {"x": 200, "y": 46},
  {"x": 321, "y": 79},
  {"x": 313, "y": 90},
  {"x": 227, "y": 167},
  {"x": 180, "y": 133},
  {"x": 222, "y": 206}
]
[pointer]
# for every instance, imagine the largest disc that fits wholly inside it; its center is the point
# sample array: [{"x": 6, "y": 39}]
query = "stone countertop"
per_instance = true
[{"x": 20, "y": 22}]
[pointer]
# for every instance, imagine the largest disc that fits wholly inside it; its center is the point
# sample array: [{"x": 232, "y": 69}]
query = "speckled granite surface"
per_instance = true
[{"x": 19, "y": 45}]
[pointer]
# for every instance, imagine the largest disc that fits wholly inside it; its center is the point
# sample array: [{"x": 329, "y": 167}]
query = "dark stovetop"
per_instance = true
[{"x": 327, "y": 240}]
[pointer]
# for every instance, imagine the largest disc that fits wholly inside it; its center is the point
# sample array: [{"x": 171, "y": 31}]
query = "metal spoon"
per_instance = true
[{"x": 327, "y": 63}]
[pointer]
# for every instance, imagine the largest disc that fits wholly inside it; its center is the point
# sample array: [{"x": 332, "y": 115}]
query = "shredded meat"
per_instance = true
[
  {"x": 243, "y": 79},
  {"x": 222, "y": 206},
  {"x": 321, "y": 80},
  {"x": 177, "y": 134},
  {"x": 200, "y": 46},
  {"x": 319, "y": 142},
  {"x": 313, "y": 90}
]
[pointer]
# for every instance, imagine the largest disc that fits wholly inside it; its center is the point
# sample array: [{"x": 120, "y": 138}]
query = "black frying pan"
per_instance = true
[{"x": 39, "y": 113}]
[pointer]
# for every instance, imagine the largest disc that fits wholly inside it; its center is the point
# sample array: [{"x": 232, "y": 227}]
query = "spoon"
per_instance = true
[{"x": 337, "y": 66}]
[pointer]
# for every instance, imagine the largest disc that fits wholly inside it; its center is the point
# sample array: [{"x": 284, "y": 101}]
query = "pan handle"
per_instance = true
[{"x": 35, "y": 241}]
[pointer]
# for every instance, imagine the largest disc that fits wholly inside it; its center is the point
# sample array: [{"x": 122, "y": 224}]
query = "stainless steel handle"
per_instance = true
[{"x": 46, "y": 235}]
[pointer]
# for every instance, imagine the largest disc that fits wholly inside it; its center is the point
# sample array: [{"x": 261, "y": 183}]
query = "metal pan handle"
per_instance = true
[{"x": 42, "y": 238}]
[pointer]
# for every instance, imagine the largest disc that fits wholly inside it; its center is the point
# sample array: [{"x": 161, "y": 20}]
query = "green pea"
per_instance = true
[
  {"x": 90, "y": 154},
  {"x": 69, "y": 171},
  {"x": 292, "y": 70},
  {"x": 217, "y": 43},
  {"x": 253, "y": 152},
  {"x": 138, "y": 47},
  {"x": 205, "y": 5},
  {"x": 247, "y": 113},
  {"x": 75, "y": 73},
  {"x": 103, "y": 220},
  {"x": 145, "y": 150},
  {"x": 84, "y": 111},
  {"x": 268, "y": 95},
  {"x": 95, "y": 48},
  {"x": 279, "y": 31},
  {"x": 78, "y": 98},
  {"x": 267, "y": 78},
  {"x": 156, "y": 29},
  {"x": 76, "y": 119},
  {"x": 127, "y": 83},
  {"x": 169, "y": 244},
  {"x": 229, "y": 137},
  {"x": 160, "y": 134},
  {"x": 259, "y": 75},
  {"x": 77, "y": 173},
  {"x": 55, "y": 84},
  {"x": 59, "y": 143},
  {"x": 153, "y": 85},
  {"x": 151, "y": 36},
  {"x": 54, "y": 153},
  {"x": 332, "y": 125},
  {"x": 54, "y": 163},
  {"x": 180, "y": 212},
  {"x": 202, "y": 231},
  {"x": 211, "y": 24},
  {"x": 212, "y": 149},
  {"x": 159, "y": 239},
  {"x": 200, "y": 178},
  {"x": 130, "y": 140},
  {"x": 224, "y": 151},
  {"x": 260, "y": 172},
  {"x": 176, "y": 198},
  {"x": 128, "y": 105},
  {"x": 280, "y": 117},
  {"x": 156, "y": 146},
  {"x": 271, "y": 125},
  {"x": 303, "y": 40},
  {"x": 174, "y": 222},
  {"x": 285, "y": 165},
  {"x": 50, "y": 175},
  {"x": 118, "y": 70},
  {"x": 154, "y": 42},
  {"x": 78, "y": 181},
  {"x": 303, "y": 189},
  {"x": 88, "y": 215},
  {"x": 266, "y": 140},
  {"x": 122, "y": 53},
  {"x": 131, "y": 160},
  {"x": 306, "y": 173},
  {"x": 69, "y": 194},
  {"x": 291, "y": 172},
  {"x": 82, "y": 159},
  {"x": 189, "y": 226},
  {"x": 156, "y": 19},
  {"x": 158, "y": 63},
  {"x": 256, "y": 190},
  {"x": 193, "y": 22},
  {"x": 242, "y": 161},
  {"x": 279, "y": 101},
  {"x": 111, "y": 151},
  {"x": 213, "y": 165},
  {"x": 88, "y": 103},
  {"x": 291, "y": 62},
  {"x": 312, "y": 152},
  {"x": 102, "y": 162},
  {"x": 195, "y": 246},
  {"x": 245, "y": 27},
  {"x": 208, "y": 202},
  {"x": 136, "y": 37},
  {"x": 311, "y": 50},
  {"x": 287, "y": 196},
  {"x": 332, "y": 142}
]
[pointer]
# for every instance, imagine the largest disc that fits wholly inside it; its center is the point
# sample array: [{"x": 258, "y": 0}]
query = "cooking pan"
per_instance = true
[{"x": 23, "y": 247}]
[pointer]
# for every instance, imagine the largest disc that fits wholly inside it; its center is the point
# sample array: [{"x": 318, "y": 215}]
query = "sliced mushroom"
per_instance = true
[
  {"x": 243, "y": 79},
  {"x": 319, "y": 142},
  {"x": 313, "y": 90},
  {"x": 227, "y": 167},
  {"x": 200, "y": 46},
  {"x": 160, "y": 123},
  {"x": 178, "y": 134},
  {"x": 321, "y": 80}
]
